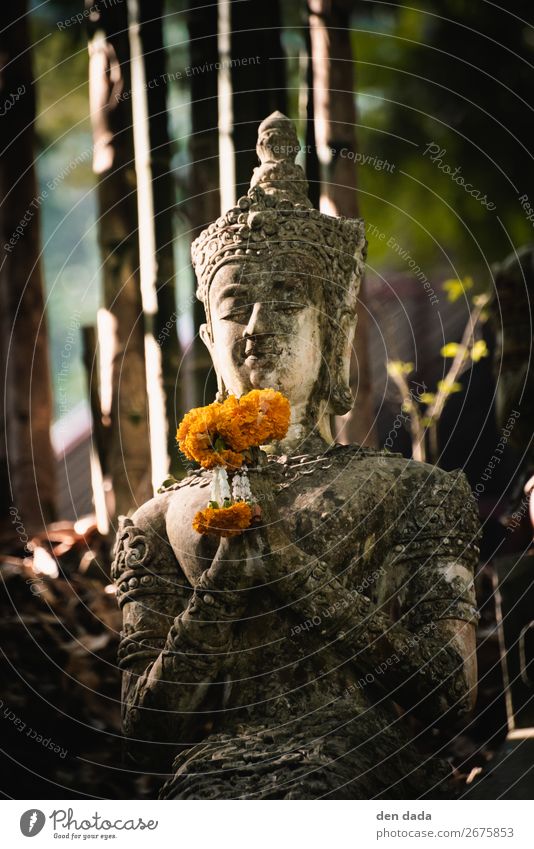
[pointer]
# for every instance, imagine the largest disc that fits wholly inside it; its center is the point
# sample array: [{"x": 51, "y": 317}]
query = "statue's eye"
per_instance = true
[
  {"x": 287, "y": 304},
  {"x": 236, "y": 312},
  {"x": 288, "y": 296}
]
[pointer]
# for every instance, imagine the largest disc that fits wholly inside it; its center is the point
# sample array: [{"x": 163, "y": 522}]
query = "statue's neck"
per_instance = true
[{"x": 305, "y": 435}]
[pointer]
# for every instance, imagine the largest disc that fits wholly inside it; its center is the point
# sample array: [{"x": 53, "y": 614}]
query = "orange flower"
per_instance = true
[
  {"x": 217, "y": 435},
  {"x": 276, "y": 411},
  {"x": 254, "y": 419},
  {"x": 223, "y": 521},
  {"x": 199, "y": 438}
]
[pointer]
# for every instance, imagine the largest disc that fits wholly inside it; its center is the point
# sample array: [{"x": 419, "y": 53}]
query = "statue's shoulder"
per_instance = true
[
  {"x": 341, "y": 466},
  {"x": 143, "y": 555},
  {"x": 433, "y": 482},
  {"x": 143, "y": 558},
  {"x": 430, "y": 497},
  {"x": 424, "y": 476},
  {"x": 438, "y": 505},
  {"x": 151, "y": 517},
  {"x": 172, "y": 488},
  {"x": 374, "y": 461}
]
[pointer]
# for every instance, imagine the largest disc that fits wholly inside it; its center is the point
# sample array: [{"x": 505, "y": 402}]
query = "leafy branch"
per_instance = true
[{"x": 425, "y": 409}]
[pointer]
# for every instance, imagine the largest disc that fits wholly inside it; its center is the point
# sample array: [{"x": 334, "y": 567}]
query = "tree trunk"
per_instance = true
[
  {"x": 204, "y": 196},
  {"x": 258, "y": 79},
  {"x": 313, "y": 175},
  {"x": 128, "y": 450},
  {"x": 335, "y": 131},
  {"x": 27, "y": 461}
]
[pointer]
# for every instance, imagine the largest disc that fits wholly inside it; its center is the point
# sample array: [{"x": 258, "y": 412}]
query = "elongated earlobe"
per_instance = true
[
  {"x": 341, "y": 400},
  {"x": 205, "y": 335}
]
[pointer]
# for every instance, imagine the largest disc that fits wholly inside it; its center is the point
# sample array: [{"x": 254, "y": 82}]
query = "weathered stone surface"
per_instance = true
[{"x": 273, "y": 665}]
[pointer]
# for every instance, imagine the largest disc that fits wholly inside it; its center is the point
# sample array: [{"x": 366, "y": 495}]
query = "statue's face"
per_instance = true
[{"x": 266, "y": 326}]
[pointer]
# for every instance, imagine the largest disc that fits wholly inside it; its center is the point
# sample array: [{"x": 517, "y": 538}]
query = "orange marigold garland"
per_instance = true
[
  {"x": 256, "y": 418},
  {"x": 199, "y": 438},
  {"x": 225, "y": 521},
  {"x": 217, "y": 437}
]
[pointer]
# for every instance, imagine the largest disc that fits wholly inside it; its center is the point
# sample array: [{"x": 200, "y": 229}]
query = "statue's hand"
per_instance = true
[
  {"x": 276, "y": 544},
  {"x": 264, "y": 494},
  {"x": 238, "y": 564},
  {"x": 264, "y": 553}
]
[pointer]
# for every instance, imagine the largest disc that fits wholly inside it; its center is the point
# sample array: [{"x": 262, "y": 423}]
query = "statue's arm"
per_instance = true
[
  {"x": 426, "y": 661},
  {"x": 429, "y": 669},
  {"x": 174, "y": 639}
]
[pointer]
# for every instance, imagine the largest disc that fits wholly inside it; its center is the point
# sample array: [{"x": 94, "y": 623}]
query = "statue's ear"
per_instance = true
[
  {"x": 341, "y": 397},
  {"x": 205, "y": 336}
]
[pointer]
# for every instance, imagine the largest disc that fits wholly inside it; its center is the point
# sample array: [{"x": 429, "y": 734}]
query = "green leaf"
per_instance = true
[
  {"x": 169, "y": 481},
  {"x": 479, "y": 350}
]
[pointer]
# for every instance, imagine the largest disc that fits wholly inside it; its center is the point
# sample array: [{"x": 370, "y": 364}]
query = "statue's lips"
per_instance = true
[
  {"x": 254, "y": 361},
  {"x": 260, "y": 355}
]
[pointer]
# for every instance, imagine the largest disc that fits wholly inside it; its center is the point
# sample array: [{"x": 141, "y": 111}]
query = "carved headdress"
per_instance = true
[{"x": 276, "y": 215}]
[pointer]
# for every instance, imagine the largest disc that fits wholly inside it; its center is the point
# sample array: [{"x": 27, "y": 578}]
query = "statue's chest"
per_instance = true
[{"x": 343, "y": 513}]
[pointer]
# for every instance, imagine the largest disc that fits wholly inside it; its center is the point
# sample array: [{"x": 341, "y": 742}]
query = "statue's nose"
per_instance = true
[{"x": 260, "y": 321}]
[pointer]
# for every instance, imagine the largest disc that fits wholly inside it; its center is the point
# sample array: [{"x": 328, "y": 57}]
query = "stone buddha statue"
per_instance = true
[{"x": 288, "y": 662}]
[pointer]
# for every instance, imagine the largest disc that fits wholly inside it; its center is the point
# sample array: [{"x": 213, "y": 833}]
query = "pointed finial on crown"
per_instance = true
[{"x": 277, "y": 148}]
